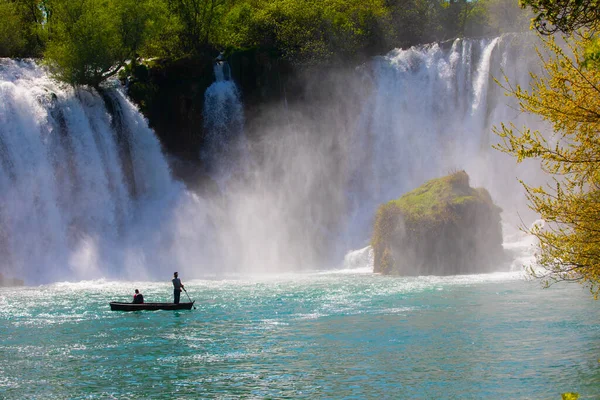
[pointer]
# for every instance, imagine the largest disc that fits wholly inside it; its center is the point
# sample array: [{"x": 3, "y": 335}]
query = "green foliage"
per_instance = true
[
  {"x": 412, "y": 21},
  {"x": 236, "y": 28},
  {"x": 436, "y": 199},
  {"x": 443, "y": 219},
  {"x": 86, "y": 41},
  {"x": 564, "y": 15},
  {"x": 21, "y": 32},
  {"x": 162, "y": 30},
  {"x": 197, "y": 22},
  {"x": 455, "y": 16},
  {"x": 570, "y": 396},
  {"x": 566, "y": 96},
  {"x": 591, "y": 58},
  {"x": 92, "y": 39},
  {"x": 12, "y": 40},
  {"x": 304, "y": 30},
  {"x": 506, "y": 16}
]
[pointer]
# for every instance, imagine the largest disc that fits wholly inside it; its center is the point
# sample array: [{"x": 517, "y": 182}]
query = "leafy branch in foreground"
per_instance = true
[
  {"x": 568, "y": 98},
  {"x": 563, "y": 15}
]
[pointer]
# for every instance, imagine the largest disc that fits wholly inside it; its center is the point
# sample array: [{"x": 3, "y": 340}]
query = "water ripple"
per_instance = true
[{"x": 317, "y": 336}]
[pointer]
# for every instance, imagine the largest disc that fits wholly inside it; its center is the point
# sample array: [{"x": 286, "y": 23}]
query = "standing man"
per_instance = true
[{"x": 177, "y": 286}]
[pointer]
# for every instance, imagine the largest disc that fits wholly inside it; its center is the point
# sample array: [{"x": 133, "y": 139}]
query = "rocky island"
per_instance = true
[{"x": 444, "y": 227}]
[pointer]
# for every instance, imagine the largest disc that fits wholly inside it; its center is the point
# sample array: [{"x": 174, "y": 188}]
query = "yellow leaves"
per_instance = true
[
  {"x": 523, "y": 144},
  {"x": 567, "y": 96}
]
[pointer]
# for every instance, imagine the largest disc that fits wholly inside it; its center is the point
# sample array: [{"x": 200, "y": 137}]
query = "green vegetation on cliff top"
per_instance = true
[
  {"x": 434, "y": 199},
  {"x": 429, "y": 206},
  {"x": 86, "y": 41},
  {"x": 442, "y": 227}
]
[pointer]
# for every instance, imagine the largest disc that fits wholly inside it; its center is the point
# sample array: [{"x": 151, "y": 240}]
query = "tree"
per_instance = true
[
  {"x": 91, "y": 39},
  {"x": 564, "y": 15},
  {"x": 12, "y": 39},
  {"x": 305, "y": 31},
  {"x": 22, "y": 32},
  {"x": 198, "y": 20},
  {"x": 568, "y": 97},
  {"x": 414, "y": 22},
  {"x": 456, "y": 16}
]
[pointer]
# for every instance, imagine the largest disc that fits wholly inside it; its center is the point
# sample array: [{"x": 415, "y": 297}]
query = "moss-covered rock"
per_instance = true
[{"x": 444, "y": 227}]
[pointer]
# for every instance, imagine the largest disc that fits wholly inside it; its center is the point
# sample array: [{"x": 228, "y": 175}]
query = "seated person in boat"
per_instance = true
[{"x": 138, "y": 298}]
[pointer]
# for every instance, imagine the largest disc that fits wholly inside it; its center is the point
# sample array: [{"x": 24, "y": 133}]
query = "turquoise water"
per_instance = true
[{"x": 329, "y": 335}]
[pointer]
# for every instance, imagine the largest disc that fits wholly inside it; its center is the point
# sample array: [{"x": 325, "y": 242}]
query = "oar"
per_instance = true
[{"x": 189, "y": 297}]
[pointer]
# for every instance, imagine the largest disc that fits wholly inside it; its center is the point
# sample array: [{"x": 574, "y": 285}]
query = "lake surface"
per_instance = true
[{"x": 347, "y": 334}]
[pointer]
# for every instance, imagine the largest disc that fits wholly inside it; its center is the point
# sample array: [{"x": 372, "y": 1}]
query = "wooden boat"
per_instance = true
[{"x": 118, "y": 306}]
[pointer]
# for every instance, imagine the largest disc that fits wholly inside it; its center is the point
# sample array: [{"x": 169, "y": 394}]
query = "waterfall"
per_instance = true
[
  {"x": 224, "y": 145},
  {"x": 431, "y": 112},
  {"x": 84, "y": 192},
  {"x": 358, "y": 139}
]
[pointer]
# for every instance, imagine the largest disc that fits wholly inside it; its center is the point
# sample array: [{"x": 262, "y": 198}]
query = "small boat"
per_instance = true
[{"x": 118, "y": 306}]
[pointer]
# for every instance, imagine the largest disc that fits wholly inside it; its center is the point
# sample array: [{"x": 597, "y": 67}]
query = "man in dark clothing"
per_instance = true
[
  {"x": 138, "y": 298},
  {"x": 177, "y": 286}
]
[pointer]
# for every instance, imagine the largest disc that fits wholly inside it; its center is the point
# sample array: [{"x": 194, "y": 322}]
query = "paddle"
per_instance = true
[{"x": 186, "y": 293}]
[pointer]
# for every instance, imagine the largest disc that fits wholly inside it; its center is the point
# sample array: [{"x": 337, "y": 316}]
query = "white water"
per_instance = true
[
  {"x": 431, "y": 113},
  {"x": 224, "y": 149},
  {"x": 83, "y": 194},
  {"x": 87, "y": 194}
]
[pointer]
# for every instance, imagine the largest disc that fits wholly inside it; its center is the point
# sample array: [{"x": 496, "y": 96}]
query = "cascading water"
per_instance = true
[
  {"x": 431, "y": 112},
  {"x": 83, "y": 193},
  {"x": 224, "y": 146},
  {"x": 322, "y": 167}
]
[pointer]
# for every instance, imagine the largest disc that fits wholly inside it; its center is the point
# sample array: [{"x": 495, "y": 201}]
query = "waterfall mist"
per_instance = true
[
  {"x": 363, "y": 137},
  {"x": 86, "y": 191},
  {"x": 431, "y": 112}
]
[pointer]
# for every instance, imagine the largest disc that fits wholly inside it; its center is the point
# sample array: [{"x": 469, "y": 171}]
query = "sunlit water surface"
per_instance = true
[{"x": 323, "y": 335}]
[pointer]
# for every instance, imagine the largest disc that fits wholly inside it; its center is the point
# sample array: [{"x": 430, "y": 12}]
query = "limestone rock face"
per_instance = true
[{"x": 444, "y": 227}]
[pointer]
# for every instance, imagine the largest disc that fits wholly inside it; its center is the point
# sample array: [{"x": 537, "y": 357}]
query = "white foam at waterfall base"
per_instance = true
[
  {"x": 520, "y": 249},
  {"x": 359, "y": 260}
]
